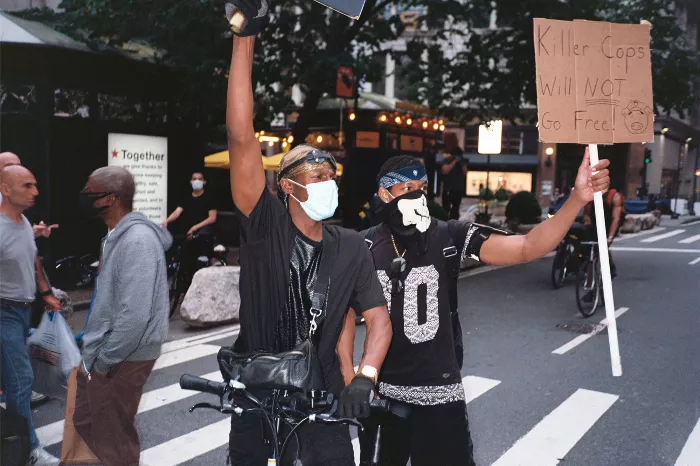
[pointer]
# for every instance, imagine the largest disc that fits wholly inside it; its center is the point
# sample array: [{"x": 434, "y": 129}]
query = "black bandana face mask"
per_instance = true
[
  {"x": 407, "y": 215},
  {"x": 87, "y": 203}
]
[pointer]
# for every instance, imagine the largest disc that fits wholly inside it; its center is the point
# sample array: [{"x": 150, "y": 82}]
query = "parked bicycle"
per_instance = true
[
  {"x": 181, "y": 269},
  {"x": 589, "y": 287},
  {"x": 284, "y": 411}
]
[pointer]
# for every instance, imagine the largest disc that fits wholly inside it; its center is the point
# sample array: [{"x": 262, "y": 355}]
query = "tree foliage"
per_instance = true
[
  {"x": 448, "y": 63},
  {"x": 495, "y": 71}
]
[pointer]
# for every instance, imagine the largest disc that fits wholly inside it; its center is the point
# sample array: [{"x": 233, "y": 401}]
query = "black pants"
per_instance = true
[
  {"x": 321, "y": 445},
  {"x": 431, "y": 436},
  {"x": 451, "y": 200}
]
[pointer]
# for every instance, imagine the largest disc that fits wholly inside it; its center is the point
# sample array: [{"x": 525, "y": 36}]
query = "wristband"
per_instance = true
[{"x": 46, "y": 293}]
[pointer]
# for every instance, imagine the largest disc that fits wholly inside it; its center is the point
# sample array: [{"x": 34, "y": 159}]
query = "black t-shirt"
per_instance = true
[
  {"x": 195, "y": 209},
  {"x": 268, "y": 239},
  {"x": 455, "y": 179},
  {"x": 421, "y": 366}
]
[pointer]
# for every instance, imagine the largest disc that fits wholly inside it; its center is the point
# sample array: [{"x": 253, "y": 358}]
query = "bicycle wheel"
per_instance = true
[
  {"x": 559, "y": 267},
  {"x": 588, "y": 289},
  {"x": 175, "y": 293}
]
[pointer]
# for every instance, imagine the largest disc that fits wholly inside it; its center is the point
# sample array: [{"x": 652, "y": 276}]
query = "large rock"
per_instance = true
[{"x": 213, "y": 297}]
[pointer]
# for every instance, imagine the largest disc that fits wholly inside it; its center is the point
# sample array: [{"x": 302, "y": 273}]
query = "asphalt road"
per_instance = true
[{"x": 528, "y": 405}]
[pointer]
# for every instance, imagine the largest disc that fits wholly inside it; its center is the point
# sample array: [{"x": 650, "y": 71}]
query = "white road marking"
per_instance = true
[
  {"x": 695, "y": 261},
  {"x": 684, "y": 251},
  {"x": 581, "y": 338},
  {"x": 695, "y": 222},
  {"x": 195, "y": 339},
  {"x": 180, "y": 344},
  {"x": 555, "y": 435},
  {"x": 356, "y": 449},
  {"x": 185, "y": 354},
  {"x": 690, "y": 455},
  {"x": 189, "y": 446},
  {"x": 53, "y": 433},
  {"x": 640, "y": 233},
  {"x": 475, "y": 386},
  {"x": 691, "y": 239},
  {"x": 669, "y": 234}
]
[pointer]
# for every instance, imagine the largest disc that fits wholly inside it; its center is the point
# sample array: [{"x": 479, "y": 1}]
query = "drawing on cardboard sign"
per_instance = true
[
  {"x": 593, "y": 82},
  {"x": 637, "y": 117}
]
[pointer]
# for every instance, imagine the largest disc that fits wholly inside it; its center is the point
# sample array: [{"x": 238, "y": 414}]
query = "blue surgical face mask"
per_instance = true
[
  {"x": 197, "y": 184},
  {"x": 322, "y": 201}
]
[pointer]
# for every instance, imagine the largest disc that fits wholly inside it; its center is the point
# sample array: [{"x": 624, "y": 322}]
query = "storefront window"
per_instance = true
[{"x": 511, "y": 181}]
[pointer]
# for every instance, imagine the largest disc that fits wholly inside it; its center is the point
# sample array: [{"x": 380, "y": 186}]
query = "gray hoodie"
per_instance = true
[{"x": 130, "y": 312}]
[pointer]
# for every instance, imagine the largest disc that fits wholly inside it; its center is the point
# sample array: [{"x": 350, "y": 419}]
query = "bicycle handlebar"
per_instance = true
[
  {"x": 190, "y": 382},
  {"x": 396, "y": 408}
]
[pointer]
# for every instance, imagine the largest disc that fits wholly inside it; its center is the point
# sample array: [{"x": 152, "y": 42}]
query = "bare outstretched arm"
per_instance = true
[
  {"x": 506, "y": 250},
  {"x": 245, "y": 158}
]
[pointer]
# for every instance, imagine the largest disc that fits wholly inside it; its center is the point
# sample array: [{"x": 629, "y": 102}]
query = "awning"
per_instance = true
[{"x": 272, "y": 163}]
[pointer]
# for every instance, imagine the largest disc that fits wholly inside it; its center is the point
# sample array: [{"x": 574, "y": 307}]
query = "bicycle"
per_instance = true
[
  {"x": 283, "y": 408},
  {"x": 567, "y": 258},
  {"x": 180, "y": 278},
  {"x": 589, "y": 287}
]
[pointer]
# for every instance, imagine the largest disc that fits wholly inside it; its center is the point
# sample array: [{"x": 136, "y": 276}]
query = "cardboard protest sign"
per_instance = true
[{"x": 593, "y": 82}]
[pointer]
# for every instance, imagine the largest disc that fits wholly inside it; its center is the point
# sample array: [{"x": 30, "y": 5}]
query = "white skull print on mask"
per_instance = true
[{"x": 415, "y": 212}]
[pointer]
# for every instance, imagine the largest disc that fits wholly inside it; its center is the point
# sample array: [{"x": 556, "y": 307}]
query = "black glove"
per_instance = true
[
  {"x": 355, "y": 398},
  {"x": 255, "y": 12}
]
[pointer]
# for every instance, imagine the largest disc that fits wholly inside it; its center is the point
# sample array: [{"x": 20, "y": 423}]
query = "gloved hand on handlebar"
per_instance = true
[{"x": 355, "y": 398}]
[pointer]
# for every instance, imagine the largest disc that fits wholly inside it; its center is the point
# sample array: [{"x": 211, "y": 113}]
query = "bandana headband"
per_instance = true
[
  {"x": 403, "y": 175},
  {"x": 307, "y": 167}
]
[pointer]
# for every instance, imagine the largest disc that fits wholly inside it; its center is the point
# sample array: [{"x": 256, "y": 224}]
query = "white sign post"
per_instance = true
[
  {"x": 146, "y": 157},
  {"x": 605, "y": 271}
]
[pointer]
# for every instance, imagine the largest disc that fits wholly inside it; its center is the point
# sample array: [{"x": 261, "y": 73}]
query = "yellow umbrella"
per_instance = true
[{"x": 220, "y": 160}]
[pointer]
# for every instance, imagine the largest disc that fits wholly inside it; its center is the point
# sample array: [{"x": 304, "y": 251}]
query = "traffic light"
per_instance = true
[{"x": 647, "y": 156}]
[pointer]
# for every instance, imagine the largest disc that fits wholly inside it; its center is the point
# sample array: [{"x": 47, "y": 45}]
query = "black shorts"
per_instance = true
[{"x": 432, "y": 436}]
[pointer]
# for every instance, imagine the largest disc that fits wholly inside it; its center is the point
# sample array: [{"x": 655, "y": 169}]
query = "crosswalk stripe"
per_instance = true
[
  {"x": 180, "y": 344},
  {"x": 53, "y": 433},
  {"x": 475, "y": 386},
  {"x": 694, "y": 261},
  {"x": 185, "y": 354},
  {"x": 581, "y": 338},
  {"x": 690, "y": 455},
  {"x": 671, "y": 250},
  {"x": 552, "y": 438},
  {"x": 669, "y": 234},
  {"x": 691, "y": 239},
  {"x": 189, "y": 446},
  {"x": 356, "y": 449}
]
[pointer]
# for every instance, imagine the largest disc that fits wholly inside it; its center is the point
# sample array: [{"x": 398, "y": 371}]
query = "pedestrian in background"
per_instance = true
[
  {"x": 8, "y": 159},
  {"x": 454, "y": 182},
  {"x": 128, "y": 322},
  {"x": 20, "y": 274}
]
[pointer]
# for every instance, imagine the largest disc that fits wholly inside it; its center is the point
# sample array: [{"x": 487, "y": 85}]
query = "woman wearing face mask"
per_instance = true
[{"x": 417, "y": 260}]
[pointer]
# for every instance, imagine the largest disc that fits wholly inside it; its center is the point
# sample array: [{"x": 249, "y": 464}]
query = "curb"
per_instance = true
[{"x": 689, "y": 220}]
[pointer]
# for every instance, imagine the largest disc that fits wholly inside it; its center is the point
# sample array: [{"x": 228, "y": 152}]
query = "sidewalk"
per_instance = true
[{"x": 667, "y": 221}]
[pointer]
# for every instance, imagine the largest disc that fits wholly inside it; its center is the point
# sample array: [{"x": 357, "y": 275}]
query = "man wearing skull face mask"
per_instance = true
[
  {"x": 283, "y": 244},
  {"x": 417, "y": 260}
]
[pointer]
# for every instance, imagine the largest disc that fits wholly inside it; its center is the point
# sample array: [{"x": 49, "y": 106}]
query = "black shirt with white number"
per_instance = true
[
  {"x": 421, "y": 366},
  {"x": 269, "y": 247}
]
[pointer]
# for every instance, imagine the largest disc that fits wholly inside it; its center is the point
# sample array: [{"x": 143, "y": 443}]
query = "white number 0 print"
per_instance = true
[{"x": 428, "y": 276}]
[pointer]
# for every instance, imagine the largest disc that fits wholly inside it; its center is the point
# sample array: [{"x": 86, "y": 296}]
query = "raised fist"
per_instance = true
[{"x": 254, "y": 13}]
